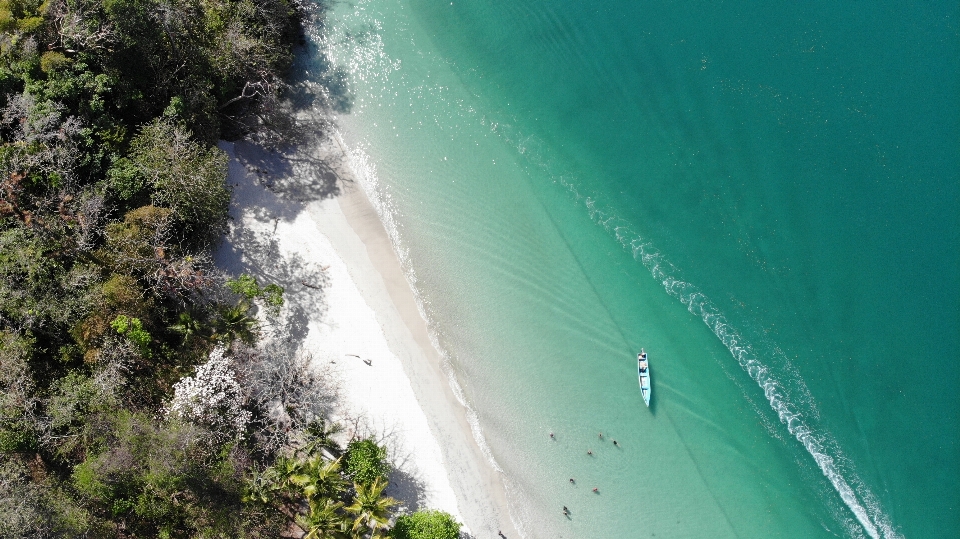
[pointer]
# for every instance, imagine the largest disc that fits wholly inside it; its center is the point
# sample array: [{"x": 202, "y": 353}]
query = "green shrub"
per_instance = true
[
  {"x": 29, "y": 278},
  {"x": 188, "y": 177},
  {"x": 119, "y": 294},
  {"x": 123, "y": 292},
  {"x": 244, "y": 285},
  {"x": 71, "y": 398},
  {"x": 247, "y": 286},
  {"x": 29, "y": 24},
  {"x": 16, "y": 437},
  {"x": 272, "y": 294},
  {"x": 88, "y": 481},
  {"x": 132, "y": 328},
  {"x": 125, "y": 179},
  {"x": 39, "y": 508},
  {"x": 366, "y": 461},
  {"x": 136, "y": 245},
  {"x": 426, "y": 525},
  {"x": 51, "y": 61},
  {"x": 16, "y": 394}
]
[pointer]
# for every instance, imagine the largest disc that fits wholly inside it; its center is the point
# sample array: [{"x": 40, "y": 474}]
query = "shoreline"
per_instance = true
[{"x": 347, "y": 296}]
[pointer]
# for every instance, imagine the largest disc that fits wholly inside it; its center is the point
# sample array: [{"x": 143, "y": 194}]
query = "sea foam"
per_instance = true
[
  {"x": 366, "y": 60},
  {"x": 818, "y": 443},
  {"x": 798, "y": 415}
]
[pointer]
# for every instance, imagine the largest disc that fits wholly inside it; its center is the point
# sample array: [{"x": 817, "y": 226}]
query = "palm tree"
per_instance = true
[
  {"x": 188, "y": 326},
  {"x": 324, "y": 520},
  {"x": 321, "y": 437},
  {"x": 370, "y": 508},
  {"x": 318, "y": 478},
  {"x": 262, "y": 486},
  {"x": 284, "y": 490},
  {"x": 236, "y": 323},
  {"x": 284, "y": 468}
]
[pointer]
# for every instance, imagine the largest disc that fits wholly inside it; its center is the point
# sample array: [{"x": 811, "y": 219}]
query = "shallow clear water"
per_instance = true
[{"x": 765, "y": 198}]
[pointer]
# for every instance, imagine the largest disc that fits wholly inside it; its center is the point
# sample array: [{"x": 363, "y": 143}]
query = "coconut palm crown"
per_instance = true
[{"x": 371, "y": 510}]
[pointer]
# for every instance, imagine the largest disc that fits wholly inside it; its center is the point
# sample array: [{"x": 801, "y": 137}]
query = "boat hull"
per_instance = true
[{"x": 643, "y": 372}]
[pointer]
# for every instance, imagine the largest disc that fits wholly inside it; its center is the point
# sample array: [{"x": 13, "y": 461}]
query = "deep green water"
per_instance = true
[{"x": 765, "y": 197}]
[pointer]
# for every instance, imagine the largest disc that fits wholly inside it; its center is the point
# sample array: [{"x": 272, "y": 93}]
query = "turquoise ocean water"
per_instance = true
[{"x": 765, "y": 197}]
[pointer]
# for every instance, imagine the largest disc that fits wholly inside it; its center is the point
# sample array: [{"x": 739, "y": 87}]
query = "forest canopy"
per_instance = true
[{"x": 134, "y": 398}]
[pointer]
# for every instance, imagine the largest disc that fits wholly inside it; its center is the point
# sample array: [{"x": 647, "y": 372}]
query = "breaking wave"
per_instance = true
[
  {"x": 791, "y": 413},
  {"x": 783, "y": 388}
]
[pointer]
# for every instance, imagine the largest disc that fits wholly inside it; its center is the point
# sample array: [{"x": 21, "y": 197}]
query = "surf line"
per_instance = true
[
  {"x": 700, "y": 305},
  {"x": 365, "y": 173},
  {"x": 864, "y": 505},
  {"x": 866, "y": 510}
]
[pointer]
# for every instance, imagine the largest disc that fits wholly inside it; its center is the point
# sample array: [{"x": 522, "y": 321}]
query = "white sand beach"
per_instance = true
[{"x": 302, "y": 222}]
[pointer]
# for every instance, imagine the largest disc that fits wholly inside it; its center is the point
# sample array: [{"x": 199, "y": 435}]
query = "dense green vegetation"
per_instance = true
[
  {"x": 426, "y": 525},
  {"x": 366, "y": 461},
  {"x": 134, "y": 401}
]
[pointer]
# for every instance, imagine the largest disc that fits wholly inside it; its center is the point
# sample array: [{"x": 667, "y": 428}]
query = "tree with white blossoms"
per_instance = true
[{"x": 212, "y": 397}]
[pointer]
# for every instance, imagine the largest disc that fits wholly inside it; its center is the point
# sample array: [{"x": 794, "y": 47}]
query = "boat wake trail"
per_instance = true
[
  {"x": 791, "y": 401},
  {"x": 819, "y": 444},
  {"x": 782, "y": 386}
]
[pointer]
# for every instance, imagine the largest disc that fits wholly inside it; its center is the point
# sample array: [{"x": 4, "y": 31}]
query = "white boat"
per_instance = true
[{"x": 643, "y": 370}]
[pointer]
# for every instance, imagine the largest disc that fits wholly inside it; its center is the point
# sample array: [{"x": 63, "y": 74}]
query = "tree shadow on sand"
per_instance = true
[
  {"x": 294, "y": 152},
  {"x": 405, "y": 482},
  {"x": 291, "y": 160},
  {"x": 408, "y": 489},
  {"x": 274, "y": 178},
  {"x": 305, "y": 172},
  {"x": 251, "y": 247}
]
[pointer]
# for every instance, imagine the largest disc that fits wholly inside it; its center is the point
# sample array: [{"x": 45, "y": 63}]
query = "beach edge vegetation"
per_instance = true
[
  {"x": 134, "y": 398},
  {"x": 426, "y": 525}
]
